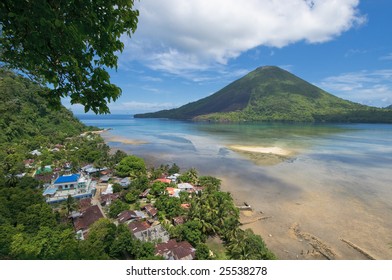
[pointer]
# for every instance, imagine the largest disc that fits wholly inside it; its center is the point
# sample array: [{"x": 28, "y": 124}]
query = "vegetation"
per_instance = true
[
  {"x": 272, "y": 94},
  {"x": 32, "y": 229},
  {"x": 75, "y": 61},
  {"x": 131, "y": 166}
]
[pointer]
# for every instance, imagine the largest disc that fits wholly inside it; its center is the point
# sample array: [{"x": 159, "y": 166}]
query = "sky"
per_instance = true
[{"x": 183, "y": 51}]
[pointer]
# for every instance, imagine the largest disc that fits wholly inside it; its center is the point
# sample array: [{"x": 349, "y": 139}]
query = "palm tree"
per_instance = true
[
  {"x": 70, "y": 204},
  {"x": 193, "y": 176}
]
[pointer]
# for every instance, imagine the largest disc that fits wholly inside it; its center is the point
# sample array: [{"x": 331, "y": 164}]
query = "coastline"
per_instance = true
[
  {"x": 118, "y": 139},
  {"x": 301, "y": 215},
  {"x": 248, "y": 218}
]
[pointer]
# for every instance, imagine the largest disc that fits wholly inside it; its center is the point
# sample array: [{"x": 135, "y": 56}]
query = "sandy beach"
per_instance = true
[
  {"x": 261, "y": 150},
  {"x": 303, "y": 207},
  {"x": 312, "y": 224},
  {"x": 263, "y": 155},
  {"x": 118, "y": 139}
]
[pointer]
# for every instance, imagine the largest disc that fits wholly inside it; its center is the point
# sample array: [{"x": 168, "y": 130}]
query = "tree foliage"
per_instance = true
[
  {"x": 131, "y": 166},
  {"x": 116, "y": 207},
  {"x": 248, "y": 246},
  {"x": 170, "y": 206},
  {"x": 67, "y": 44}
]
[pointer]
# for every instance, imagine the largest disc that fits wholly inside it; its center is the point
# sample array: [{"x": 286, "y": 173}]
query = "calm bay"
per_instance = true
[{"x": 330, "y": 197}]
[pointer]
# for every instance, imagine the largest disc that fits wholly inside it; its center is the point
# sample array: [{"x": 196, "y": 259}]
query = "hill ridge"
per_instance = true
[{"x": 270, "y": 93}]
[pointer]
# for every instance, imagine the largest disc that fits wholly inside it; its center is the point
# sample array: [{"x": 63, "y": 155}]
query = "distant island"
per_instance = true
[{"x": 270, "y": 93}]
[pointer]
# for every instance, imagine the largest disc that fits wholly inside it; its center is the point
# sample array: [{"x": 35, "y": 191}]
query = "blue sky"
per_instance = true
[{"x": 186, "y": 50}]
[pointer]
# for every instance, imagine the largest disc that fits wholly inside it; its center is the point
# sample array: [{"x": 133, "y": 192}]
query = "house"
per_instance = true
[
  {"x": 108, "y": 190},
  {"x": 173, "y": 177},
  {"x": 138, "y": 226},
  {"x": 86, "y": 167},
  {"x": 45, "y": 169},
  {"x": 86, "y": 219},
  {"x": 129, "y": 215},
  {"x": 173, "y": 192},
  {"x": 90, "y": 169},
  {"x": 144, "y": 232},
  {"x": 106, "y": 199},
  {"x": 75, "y": 185},
  {"x": 124, "y": 182},
  {"x": 178, "y": 220},
  {"x": 35, "y": 153},
  {"x": 45, "y": 177},
  {"x": 185, "y": 187},
  {"x": 163, "y": 180},
  {"x": 150, "y": 210},
  {"x": 67, "y": 166},
  {"x": 104, "y": 179},
  {"x": 173, "y": 250},
  {"x": 84, "y": 204},
  {"x": 144, "y": 194},
  {"x": 69, "y": 182}
]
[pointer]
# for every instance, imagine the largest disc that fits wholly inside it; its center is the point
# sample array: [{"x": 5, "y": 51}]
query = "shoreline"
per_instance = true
[
  {"x": 257, "y": 218},
  {"x": 299, "y": 215},
  {"x": 119, "y": 139}
]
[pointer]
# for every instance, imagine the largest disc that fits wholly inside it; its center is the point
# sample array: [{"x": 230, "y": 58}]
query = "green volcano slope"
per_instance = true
[{"x": 272, "y": 94}]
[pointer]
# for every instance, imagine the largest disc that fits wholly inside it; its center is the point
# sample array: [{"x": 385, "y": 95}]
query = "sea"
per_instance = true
[{"x": 333, "y": 194}]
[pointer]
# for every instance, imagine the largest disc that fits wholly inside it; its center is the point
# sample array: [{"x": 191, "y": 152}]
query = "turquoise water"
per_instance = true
[
  {"x": 337, "y": 185},
  {"x": 357, "y": 144}
]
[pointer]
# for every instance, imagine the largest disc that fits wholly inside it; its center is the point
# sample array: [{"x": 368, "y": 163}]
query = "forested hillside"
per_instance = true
[{"x": 25, "y": 115}]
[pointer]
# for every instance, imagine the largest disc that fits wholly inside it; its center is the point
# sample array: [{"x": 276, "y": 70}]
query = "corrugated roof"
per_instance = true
[
  {"x": 67, "y": 179},
  {"x": 88, "y": 217}
]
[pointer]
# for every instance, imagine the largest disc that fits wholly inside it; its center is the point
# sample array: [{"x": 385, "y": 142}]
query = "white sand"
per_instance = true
[
  {"x": 124, "y": 140},
  {"x": 262, "y": 150}
]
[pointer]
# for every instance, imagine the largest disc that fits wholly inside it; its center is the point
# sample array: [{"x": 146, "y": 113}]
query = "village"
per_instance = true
[
  {"x": 94, "y": 195},
  {"x": 154, "y": 212}
]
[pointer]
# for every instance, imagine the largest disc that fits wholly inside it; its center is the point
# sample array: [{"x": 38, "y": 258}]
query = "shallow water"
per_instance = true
[{"x": 337, "y": 186}]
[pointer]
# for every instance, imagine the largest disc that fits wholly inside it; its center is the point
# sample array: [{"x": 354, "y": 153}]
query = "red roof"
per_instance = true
[
  {"x": 138, "y": 226},
  {"x": 178, "y": 220},
  {"x": 175, "y": 250},
  {"x": 109, "y": 197},
  {"x": 126, "y": 216},
  {"x": 88, "y": 217},
  {"x": 152, "y": 211},
  {"x": 84, "y": 204},
  {"x": 163, "y": 180},
  {"x": 170, "y": 190},
  {"x": 145, "y": 193}
]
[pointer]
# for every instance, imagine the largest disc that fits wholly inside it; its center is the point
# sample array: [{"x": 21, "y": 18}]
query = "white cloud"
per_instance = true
[
  {"x": 181, "y": 37},
  {"x": 387, "y": 57},
  {"x": 124, "y": 106},
  {"x": 366, "y": 87},
  {"x": 135, "y": 106}
]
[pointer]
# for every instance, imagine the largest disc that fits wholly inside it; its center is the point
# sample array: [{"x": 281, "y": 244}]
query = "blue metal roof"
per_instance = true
[{"x": 67, "y": 179}]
